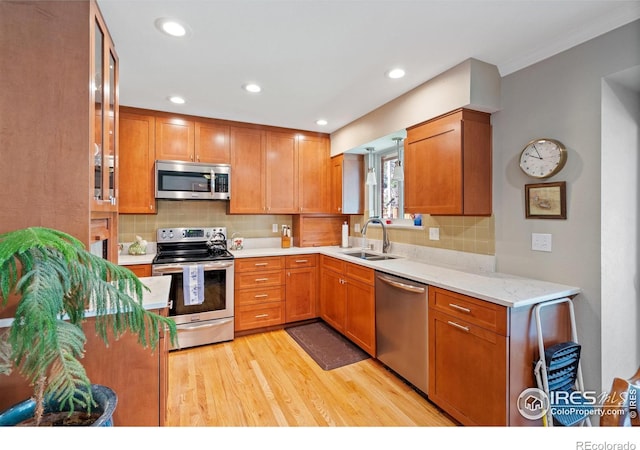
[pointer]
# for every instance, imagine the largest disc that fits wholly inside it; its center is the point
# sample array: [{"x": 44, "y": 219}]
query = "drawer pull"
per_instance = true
[
  {"x": 261, "y": 264},
  {"x": 301, "y": 261},
  {"x": 459, "y": 308},
  {"x": 457, "y": 325},
  {"x": 260, "y": 296},
  {"x": 261, "y": 279},
  {"x": 260, "y": 316}
]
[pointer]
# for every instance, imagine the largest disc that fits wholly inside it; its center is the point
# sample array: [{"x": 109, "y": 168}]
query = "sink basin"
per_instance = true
[{"x": 370, "y": 256}]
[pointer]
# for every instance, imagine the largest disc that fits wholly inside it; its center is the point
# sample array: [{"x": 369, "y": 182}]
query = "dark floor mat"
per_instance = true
[{"x": 326, "y": 346}]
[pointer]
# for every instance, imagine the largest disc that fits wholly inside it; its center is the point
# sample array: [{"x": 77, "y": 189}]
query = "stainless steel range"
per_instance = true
[{"x": 201, "y": 296}]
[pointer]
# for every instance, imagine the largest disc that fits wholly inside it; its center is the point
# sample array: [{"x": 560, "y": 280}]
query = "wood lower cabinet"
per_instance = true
[
  {"x": 137, "y": 163},
  {"x": 468, "y": 358},
  {"x": 259, "y": 288},
  {"x": 301, "y": 287},
  {"x": 481, "y": 356},
  {"x": 347, "y": 301},
  {"x": 448, "y": 165},
  {"x": 141, "y": 270}
]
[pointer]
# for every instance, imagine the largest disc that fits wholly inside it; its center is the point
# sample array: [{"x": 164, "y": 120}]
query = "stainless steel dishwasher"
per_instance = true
[{"x": 401, "y": 328}]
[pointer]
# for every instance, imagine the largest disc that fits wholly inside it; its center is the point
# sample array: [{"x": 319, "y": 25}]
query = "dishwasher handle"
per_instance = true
[{"x": 403, "y": 286}]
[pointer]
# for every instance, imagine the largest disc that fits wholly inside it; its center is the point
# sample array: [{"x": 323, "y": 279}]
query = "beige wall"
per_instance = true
[{"x": 473, "y": 84}]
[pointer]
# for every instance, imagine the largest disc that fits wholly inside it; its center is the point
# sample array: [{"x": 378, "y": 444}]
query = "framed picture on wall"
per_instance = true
[{"x": 546, "y": 200}]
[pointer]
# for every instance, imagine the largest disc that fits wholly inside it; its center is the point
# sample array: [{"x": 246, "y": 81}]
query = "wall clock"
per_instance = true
[{"x": 543, "y": 158}]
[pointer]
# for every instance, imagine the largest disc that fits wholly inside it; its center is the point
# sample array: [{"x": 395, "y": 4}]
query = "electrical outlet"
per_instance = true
[
  {"x": 434, "y": 233},
  {"x": 541, "y": 242},
  {"x": 274, "y": 227},
  {"x": 356, "y": 228}
]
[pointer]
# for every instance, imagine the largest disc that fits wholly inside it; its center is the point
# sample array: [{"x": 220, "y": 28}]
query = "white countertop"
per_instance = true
[
  {"x": 500, "y": 288},
  {"x": 156, "y": 298}
]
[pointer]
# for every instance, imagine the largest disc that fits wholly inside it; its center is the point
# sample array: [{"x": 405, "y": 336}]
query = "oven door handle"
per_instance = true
[
  {"x": 194, "y": 326},
  {"x": 178, "y": 268}
]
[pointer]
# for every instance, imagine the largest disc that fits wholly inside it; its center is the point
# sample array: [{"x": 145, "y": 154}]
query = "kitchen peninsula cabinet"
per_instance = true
[
  {"x": 301, "y": 287},
  {"x": 468, "y": 358},
  {"x": 137, "y": 163},
  {"x": 347, "y": 181},
  {"x": 347, "y": 301},
  {"x": 259, "y": 287},
  {"x": 448, "y": 165}
]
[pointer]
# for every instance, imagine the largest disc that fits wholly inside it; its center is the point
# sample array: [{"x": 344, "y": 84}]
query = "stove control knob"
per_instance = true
[
  {"x": 208, "y": 234},
  {"x": 170, "y": 234}
]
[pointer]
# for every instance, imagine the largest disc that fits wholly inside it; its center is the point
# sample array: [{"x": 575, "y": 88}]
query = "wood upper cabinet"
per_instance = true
[
  {"x": 448, "y": 165},
  {"x": 347, "y": 181},
  {"x": 137, "y": 163},
  {"x": 104, "y": 117},
  {"x": 313, "y": 174},
  {"x": 212, "y": 143},
  {"x": 175, "y": 137},
  {"x": 278, "y": 172},
  {"x": 281, "y": 175},
  {"x": 248, "y": 148}
]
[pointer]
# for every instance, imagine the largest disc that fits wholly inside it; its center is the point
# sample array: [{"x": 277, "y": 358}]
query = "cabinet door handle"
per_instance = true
[
  {"x": 260, "y": 316},
  {"x": 457, "y": 325},
  {"x": 459, "y": 308},
  {"x": 261, "y": 279}
]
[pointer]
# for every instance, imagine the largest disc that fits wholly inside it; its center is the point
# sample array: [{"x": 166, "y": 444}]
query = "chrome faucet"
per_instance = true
[{"x": 385, "y": 238}]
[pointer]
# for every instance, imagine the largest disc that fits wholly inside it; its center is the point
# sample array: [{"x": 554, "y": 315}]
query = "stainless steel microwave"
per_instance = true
[{"x": 181, "y": 180}]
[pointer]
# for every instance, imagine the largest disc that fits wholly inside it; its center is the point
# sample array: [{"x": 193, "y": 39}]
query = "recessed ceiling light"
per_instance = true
[
  {"x": 395, "y": 73},
  {"x": 252, "y": 87},
  {"x": 177, "y": 100},
  {"x": 171, "y": 27},
  {"x": 321, "y": 122}
]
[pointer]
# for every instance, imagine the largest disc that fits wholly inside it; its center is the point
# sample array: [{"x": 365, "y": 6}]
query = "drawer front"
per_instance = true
[
  {"x": 295, "y": 261},
  {"x": 258, "y": 296},
  {"x": 477, "y": 312},
  {"x": 360, "y": 273},
  {"x": 259, "y": 279},
  {"x": 259, "y": 264},
  {"x": 256, "y": 316},
  {"x": 334, "y": 264}
]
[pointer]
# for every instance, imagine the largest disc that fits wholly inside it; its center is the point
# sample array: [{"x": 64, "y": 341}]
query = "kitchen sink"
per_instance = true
[{"x": 370, "y": 256}]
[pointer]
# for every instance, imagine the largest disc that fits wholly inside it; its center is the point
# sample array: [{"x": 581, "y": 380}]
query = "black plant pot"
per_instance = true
[{"x": 105, "y": 397}]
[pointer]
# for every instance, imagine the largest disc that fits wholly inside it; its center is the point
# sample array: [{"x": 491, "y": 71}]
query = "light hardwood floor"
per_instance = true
[{"x": 267, "y": 380}]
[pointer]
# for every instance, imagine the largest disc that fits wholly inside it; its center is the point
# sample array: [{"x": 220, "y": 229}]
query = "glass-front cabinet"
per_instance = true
[{"x": 104, "y": 99}]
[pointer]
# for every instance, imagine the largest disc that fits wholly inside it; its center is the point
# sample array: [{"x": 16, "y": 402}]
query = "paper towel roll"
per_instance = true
[{"x": 345, "y": 235}]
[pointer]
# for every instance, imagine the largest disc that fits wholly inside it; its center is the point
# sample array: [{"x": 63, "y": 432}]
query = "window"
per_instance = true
[
  {"x": 388, "y": 195},
  {"x": 391, "y": 191}
]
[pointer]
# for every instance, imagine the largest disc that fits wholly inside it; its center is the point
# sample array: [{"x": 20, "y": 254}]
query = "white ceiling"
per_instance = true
[{"x": 327, "y": 58}]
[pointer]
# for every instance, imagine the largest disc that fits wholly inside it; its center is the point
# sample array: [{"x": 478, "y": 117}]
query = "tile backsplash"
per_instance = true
[{"x": 466, "y": 234}]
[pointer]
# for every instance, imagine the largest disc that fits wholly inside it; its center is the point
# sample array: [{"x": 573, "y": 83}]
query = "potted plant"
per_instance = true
[{"x": 56, "y": 281}]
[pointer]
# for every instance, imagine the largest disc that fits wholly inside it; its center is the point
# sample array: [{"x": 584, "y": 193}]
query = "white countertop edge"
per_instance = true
[
  {"x": 156, "y": 298},
  {"x": 503, "y": 289}
]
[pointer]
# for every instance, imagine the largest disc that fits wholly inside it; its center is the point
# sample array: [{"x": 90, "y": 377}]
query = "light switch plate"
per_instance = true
[
  {"x": 541, "y": 242},
  {"x": 434, "y": 233},
  {"x": 274, "y": 227}
]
